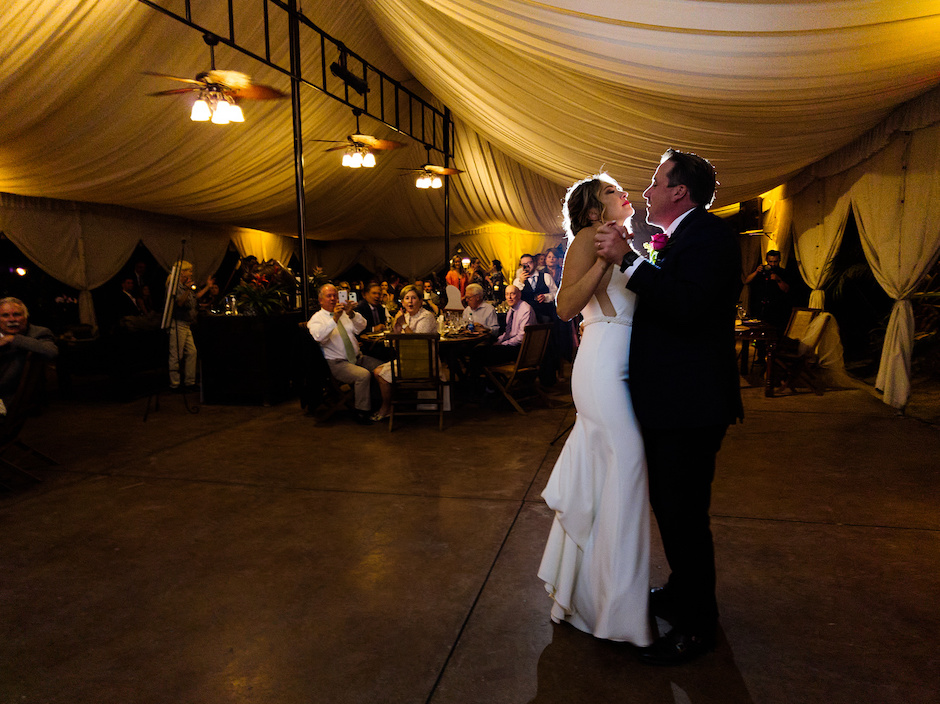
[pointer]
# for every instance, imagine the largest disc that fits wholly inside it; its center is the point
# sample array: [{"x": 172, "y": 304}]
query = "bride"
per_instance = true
[{"x": 596, "y": 561}]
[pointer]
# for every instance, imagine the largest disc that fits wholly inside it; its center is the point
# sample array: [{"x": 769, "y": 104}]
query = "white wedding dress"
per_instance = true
[{"x": 596, "y": 562}]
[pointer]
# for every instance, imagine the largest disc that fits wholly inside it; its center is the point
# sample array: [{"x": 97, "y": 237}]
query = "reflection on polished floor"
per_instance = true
[{"x": 243, "y": 554}]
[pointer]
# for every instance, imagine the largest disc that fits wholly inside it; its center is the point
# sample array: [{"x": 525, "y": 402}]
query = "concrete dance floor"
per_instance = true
[{"x": 245, "y": 554}]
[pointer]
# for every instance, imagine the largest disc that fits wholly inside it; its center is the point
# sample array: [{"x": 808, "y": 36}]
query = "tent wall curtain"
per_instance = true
[
  {"x": 84, "y": 245},
  {"x": 895, "y": 201},
  {"x": 890, "y": 181}
]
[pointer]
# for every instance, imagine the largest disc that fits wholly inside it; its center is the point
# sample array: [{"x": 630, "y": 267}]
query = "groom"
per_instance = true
[{"x": 684, "y": 384}]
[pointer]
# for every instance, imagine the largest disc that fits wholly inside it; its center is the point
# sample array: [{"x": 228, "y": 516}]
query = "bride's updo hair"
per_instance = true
[{"x": 583, "y": 206}]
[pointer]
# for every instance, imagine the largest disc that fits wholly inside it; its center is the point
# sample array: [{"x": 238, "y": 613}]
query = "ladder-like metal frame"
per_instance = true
[{"x": 393, "y": 105}]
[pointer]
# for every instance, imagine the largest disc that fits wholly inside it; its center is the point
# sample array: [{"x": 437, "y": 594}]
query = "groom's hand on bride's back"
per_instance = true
[{"x": 612, "y": 241}]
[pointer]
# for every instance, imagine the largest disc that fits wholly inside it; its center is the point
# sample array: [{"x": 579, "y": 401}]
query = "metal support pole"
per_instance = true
[
  {"x": 448, "y": 150},
  {"x": 293, "y": 28}
]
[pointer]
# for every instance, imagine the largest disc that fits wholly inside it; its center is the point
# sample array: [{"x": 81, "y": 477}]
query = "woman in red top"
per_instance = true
[{"x": 457, "y": 276}]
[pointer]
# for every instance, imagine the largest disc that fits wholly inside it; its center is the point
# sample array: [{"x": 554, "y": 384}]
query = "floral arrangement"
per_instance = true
[
  {"x": 657, "y": 242},
  {"x": 266, "y": 288}
]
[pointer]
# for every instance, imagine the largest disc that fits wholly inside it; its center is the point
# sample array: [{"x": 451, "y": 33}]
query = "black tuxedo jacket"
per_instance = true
[
  {"x": 683, "y": 371},
  {"x": 365, "y": 310}
]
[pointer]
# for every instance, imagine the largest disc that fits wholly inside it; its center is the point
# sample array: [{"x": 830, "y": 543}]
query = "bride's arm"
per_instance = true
[{"x": 580, "y": 276}]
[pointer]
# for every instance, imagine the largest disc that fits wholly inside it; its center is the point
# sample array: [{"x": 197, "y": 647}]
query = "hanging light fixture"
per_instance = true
[
  {"x": 201, "y": 111},
  {"x": 424, "y": 180},
  {"x": 215, "y": 105},
  {"x": 368, "y": 159},
  {"x": 436, "y": 181},
  {"x": 220, "y": 114}
]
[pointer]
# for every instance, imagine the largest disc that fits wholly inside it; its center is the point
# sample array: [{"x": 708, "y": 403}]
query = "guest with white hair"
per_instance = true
[
  {"x": 17, "y": 339},
  {"x": 482, "y": 314}
]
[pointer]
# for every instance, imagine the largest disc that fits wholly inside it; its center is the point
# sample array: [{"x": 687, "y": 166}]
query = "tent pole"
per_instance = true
[
  {"x": 294, "y": 31},
  {"x": 448, "y": 148}
]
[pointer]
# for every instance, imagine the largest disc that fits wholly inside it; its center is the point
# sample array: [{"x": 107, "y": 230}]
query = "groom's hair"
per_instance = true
[{"x": 693, "y": 172}]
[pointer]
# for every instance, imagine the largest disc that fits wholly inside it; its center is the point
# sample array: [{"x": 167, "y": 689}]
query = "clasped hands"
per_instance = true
[{"x": 612, "y": 241}]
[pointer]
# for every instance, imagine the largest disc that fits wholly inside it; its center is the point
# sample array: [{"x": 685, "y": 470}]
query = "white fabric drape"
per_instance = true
[
  {"x": 899, "y": 225},
  {"x": 542, "y": 93},
  {"x": 84, "y": 246},
  {"x": 819, "y": 216}
]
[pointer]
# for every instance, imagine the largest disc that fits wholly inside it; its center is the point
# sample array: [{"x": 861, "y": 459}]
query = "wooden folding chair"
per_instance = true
[
  {"x": 417, "y": 388},
  {"x": 18, "y": 410},
  {"x": 795, "y": 358},
  {"x": 512, "y": 377}
]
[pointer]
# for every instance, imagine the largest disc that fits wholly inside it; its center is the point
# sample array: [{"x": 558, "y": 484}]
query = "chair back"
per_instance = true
[
  {"x": 800, "y": 319},
  {"x": 453, "y": 298},
  {"x": 416, "y": 358},
  {"x": 533, "y": 347},
  {"x": 814, "y": 331}
]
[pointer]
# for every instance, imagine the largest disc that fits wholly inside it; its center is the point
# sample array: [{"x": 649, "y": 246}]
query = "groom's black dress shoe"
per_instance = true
[{"x": 675, "y": 648}]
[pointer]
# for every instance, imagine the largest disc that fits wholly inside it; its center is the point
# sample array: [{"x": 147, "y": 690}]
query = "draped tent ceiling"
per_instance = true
[
  {"x": 543, "y": 93},
  {"x": 833, "y": 104}
]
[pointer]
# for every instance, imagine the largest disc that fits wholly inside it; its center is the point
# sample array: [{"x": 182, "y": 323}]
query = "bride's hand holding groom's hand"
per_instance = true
[{"x": 612, "y": 241}]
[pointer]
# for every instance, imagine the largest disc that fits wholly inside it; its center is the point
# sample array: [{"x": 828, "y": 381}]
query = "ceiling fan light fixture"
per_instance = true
[
  {"x": 436, "y": 182},
  {"x": 368, "y": 159},
  {"x": 424, "y": 181},
  {"x": 200, "y": 111},
  {"x": 235, "y": 113},
  {"x": 220, "y": 114},
  {"x": 355, "y": 161},
  {"x": 347, "y": 158}
]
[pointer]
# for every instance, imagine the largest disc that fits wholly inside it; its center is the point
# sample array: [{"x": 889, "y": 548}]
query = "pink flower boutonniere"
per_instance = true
[{"x": 656, "y": 243}]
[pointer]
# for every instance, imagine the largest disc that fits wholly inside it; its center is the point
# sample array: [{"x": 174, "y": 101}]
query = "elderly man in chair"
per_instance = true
[
  {"x": 335, "y": 327},
  {"x": 17, "y": 339}
]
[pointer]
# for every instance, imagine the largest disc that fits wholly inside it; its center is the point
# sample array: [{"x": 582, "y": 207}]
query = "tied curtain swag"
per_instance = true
[
  {"x": 84, "y": 246},
  {"x": 889, "y": 178}
]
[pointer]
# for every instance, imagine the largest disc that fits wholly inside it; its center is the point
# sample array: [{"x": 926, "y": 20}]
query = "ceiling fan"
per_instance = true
[
  {"x": 218, "y": 90},
  {"x": 429, "y": 175},
  {"x": 359, "y": 147}
]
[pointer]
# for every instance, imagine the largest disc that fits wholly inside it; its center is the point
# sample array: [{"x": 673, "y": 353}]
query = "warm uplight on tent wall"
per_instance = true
[
  {"x": 429, "y": 180},
  {"x": 217, "y": 107},
  {"x": 356, "y": 157}
]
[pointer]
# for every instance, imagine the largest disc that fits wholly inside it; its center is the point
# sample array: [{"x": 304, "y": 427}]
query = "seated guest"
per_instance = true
[
  {"x": 482, "y": 314},
  {"x": 506, "y": 349},
  {"x": 430, "y": 294},
  {"x": 426, "y": 303},
  {"x": 17, "y": 339},
  {"x": 412, "y": 318},
  {"x": 371, "y": 308},
  {"x": 335, "y": 328}
]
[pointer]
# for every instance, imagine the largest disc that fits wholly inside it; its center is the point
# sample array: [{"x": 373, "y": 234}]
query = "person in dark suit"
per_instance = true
[
  {"x": 685, "y": 385},
  {"x": 371, "y": 308},
  {"x": 376, "y": 315}
]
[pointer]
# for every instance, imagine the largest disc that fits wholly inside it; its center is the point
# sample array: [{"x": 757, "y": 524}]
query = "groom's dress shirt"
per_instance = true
[
  {"x": 668, "y": 232},
  {"x": 517, "y": 318},
  {"x": 323, "y": 329}
]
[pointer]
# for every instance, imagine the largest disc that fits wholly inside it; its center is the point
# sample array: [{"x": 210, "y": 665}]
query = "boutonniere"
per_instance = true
[{"x": 657, "y": 242}]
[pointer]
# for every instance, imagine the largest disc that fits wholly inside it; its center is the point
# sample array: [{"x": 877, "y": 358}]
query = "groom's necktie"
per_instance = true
[{"x": 347, "y": 343}]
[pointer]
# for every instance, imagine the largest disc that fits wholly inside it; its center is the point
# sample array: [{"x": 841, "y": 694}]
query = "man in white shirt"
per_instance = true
[
  {"x": 482, "y": 314},
  {"x": 335, "y": 327}
]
